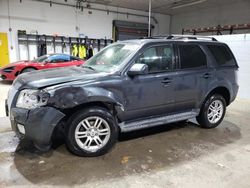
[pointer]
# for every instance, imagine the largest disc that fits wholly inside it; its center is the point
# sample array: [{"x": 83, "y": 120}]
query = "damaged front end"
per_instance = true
[
  {"x": 37, "y": 124},
  {"x": 36, "y": 106},
  {"x": 30, "y": 117}
]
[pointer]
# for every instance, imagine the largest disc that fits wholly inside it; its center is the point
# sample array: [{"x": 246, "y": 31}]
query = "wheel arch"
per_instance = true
[
  {"x": 28, "y": 67},
  {"x": 107, "y": 105},
  {"x": 221, "y": 90}
]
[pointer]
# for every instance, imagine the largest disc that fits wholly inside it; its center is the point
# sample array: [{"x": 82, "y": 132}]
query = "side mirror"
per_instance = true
[
  {"x": 138, "y": 69},
  {"x": 46, "y": 62}
]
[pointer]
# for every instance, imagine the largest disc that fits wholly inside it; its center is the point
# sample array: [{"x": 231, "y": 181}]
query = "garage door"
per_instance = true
[{"x": 123, "y": 30}]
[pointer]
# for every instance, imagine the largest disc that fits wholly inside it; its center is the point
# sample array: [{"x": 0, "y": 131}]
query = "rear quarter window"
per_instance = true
[{"x": 222, "y": 55}]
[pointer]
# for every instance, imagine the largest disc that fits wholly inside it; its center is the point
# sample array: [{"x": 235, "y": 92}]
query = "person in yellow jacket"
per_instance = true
[
  {"x": 82, "y": 52},
  {"x": 75, "y": 50}
]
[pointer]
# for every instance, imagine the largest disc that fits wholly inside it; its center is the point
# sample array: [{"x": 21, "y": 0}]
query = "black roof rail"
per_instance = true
[{"x": 189, "y": 37}]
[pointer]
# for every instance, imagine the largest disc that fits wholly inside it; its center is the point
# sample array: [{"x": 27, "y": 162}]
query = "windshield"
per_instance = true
[
  {"x": 41, "y": 59},
  {"x": 109, "y": 59}
]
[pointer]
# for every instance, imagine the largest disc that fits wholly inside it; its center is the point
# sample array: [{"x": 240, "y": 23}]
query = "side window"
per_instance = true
[
  {"x": 192, "y": 56},
  {"x": 58, "y": 58},
  {"x": 158, "y": 58},
  {"x": 72, "y": 58},
  {"x": 222, "y": 55}
]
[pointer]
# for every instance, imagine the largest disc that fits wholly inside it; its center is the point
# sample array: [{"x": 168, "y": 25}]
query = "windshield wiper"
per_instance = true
[{"x": 88, "y": 67}]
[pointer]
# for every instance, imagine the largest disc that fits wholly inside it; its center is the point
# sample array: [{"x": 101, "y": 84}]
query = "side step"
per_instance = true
[{"x": 151, "y": 122}]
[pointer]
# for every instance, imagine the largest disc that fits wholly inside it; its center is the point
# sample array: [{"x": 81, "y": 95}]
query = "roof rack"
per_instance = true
[{"x": 188, "y": 37}]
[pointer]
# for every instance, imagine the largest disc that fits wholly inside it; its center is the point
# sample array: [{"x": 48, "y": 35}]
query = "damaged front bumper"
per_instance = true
[{"x": 36, "y": 124}]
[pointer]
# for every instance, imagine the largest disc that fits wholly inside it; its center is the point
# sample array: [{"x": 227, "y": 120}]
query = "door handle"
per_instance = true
[
  {"x": 207, "y": 75},
  {"x": 166, "y": 81}
]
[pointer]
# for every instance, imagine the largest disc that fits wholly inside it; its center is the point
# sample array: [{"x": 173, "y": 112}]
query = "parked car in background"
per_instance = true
[{"x": 11, "y": 71}]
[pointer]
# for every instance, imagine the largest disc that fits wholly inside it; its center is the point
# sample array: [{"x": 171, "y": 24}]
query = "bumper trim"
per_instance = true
[{"x": 39, "y": 123}]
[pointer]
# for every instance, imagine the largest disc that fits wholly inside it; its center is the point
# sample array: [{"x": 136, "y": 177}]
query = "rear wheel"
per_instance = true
[
  {"x": 212, "y": 112},
  {"x": 91, "y": 132},
  {"x": 27, "y": 70}
]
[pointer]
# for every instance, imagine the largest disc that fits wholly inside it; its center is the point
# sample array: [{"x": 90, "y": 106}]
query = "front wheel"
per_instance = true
[
  {"x": 212, "y": 112},
  {"x": 91, "y": 132}
]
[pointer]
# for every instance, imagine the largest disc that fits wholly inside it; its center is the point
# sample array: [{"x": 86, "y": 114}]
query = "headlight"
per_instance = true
[
  {"x": 9, "y": 69},
  {"x": 31, "y": 99}
]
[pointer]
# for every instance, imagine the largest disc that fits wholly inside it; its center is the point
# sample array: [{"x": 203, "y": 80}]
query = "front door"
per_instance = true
[
  {"x": 4, "y": 52},
  {"x": 152, "y": 94}
]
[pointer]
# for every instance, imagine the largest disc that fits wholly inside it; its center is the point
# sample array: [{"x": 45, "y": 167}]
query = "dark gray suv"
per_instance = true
[{"x": 128, "y": 86}]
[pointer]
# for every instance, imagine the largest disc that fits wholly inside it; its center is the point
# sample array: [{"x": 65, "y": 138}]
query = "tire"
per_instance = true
[
  {"x": 27, "y": 70},
  {"x": 212, "y": 112},
  {"x": 91, "y": 124}
]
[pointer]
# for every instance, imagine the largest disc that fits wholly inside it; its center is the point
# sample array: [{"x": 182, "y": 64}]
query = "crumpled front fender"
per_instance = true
[
  {"x": 39, "y": 123},
  {"x": 73, "y": 96}
]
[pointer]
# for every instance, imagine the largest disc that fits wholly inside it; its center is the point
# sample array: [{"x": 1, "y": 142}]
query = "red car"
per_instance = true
[{"x": 11, "y": 71}]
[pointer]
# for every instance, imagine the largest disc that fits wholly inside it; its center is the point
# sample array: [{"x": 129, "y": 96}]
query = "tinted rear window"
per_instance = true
[
  {"x": 192, "y": 56},
  {"x": 222, "y": 55}
]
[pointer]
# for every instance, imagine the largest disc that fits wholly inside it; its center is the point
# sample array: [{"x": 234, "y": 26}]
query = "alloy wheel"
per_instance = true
[
  {"x": 215, "y": 111},
  {"x": 92, "y": 133}
]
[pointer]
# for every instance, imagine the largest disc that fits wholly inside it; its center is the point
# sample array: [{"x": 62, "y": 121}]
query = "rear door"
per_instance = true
[{"x": 194, "y": 76}]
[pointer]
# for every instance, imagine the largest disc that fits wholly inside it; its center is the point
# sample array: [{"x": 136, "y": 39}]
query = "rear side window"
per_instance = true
[
  {"x": 192, "y": 56},
  {"x": 222, "y": 55}
]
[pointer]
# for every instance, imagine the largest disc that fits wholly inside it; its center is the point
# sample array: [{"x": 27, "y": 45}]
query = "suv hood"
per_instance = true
[{"x": 50, "y": 77}]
